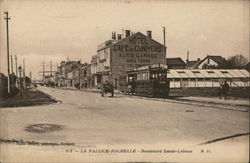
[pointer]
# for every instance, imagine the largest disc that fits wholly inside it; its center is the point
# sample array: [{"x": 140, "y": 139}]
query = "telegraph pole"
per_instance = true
[
  {"x": 16, "y": 66},
  {"x": 50, "y": 68},
  {"x": 7, "y": 18},
  {"x": 12, "y": 71},
  {"x": 164, "y": 41},
  {"x": 11, "y": 61},
  {"x": 24, "y": 82}
]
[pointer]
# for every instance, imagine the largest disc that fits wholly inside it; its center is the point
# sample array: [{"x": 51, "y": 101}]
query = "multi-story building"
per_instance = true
[
  {"x": 62, "y": 78},
  {"x": 117, "y": 56},
  {"x": 80, "y": 77}
]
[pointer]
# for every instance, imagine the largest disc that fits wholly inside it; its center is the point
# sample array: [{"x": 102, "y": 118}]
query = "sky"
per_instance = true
[{"x": 44, "y": 30}]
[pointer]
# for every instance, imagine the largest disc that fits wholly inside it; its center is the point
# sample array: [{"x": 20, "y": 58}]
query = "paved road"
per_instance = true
[{"x": 87, "y": 120}]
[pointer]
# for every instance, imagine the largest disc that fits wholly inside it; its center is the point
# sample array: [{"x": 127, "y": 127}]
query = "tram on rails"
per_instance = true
[{"x": 149, "y": 81}]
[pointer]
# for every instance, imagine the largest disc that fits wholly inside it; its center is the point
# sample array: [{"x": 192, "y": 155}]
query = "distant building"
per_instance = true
[
  {"x": 175, "y": 63},
  {"x": 63, "y": 71},
  {"x": 124, "y": 54},
  {"x": 81, "y": 76},
  {"x": 209, "y": 62},
  {"x": 49, "y": 80}
]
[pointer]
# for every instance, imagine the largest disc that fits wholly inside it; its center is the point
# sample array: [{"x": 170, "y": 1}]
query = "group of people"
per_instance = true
[{"x": 223, "y": 90}]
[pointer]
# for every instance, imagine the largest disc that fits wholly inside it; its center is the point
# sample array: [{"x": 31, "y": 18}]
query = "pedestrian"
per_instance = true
[{"x": 225, "y": 89}]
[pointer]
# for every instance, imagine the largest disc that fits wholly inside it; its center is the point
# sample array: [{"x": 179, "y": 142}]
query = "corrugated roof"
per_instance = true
[{"x": 208, "y": 73}]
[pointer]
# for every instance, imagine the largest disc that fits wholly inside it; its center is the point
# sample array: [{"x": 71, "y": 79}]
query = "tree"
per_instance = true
[{"x": 238, "y": 61}]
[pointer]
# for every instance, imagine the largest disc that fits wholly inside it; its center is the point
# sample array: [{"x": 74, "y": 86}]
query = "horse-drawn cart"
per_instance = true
[{"x": 107, "y": 88}]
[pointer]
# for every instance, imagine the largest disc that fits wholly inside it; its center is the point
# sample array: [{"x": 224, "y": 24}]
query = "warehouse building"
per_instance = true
[
  {"x": 117, "y": 56},
  {"x": 184, "y": 78}
]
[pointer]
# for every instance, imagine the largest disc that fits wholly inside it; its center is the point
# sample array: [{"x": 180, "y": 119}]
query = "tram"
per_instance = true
[{"x": 149, "y": 81}]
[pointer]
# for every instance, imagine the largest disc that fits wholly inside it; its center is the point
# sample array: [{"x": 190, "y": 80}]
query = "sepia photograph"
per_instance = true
[{"x": 124, "y": 81}]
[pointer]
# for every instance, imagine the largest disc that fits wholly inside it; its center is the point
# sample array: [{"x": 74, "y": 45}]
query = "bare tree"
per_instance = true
[{"x": 237, "y": 61}]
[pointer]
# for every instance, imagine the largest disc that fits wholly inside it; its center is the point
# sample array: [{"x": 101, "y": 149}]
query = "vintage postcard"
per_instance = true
[{"x": 124, "y": 81}]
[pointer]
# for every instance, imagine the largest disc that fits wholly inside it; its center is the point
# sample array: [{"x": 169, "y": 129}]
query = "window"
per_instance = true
[
  {"x": 196, "y": 72},
  {"x": 210, "y": 72},
  {"x": 181, "y": 72},
  {"x": 224, "y": 72}
]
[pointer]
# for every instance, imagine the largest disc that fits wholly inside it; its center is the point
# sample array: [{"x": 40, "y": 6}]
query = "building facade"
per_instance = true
[
  {"x": 63, "y": 76},
  {"x": 117, "y": 56}
]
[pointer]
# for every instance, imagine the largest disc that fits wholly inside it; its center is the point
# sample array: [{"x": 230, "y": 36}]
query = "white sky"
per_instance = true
[{"x": 57, "y": 29}]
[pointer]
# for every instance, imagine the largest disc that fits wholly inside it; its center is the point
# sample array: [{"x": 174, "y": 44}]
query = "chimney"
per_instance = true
[
  {"x": 127, "y": 33},
  {"x": 149, "y": 34},
  {"x": 119, "y": 36},
  {"x": 187, "y": 56},
  {"x": 113, "y": 36}
]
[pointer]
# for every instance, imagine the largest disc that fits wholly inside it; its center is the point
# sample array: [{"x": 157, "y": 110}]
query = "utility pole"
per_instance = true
[
  {"x": 11, "y": 61},
  {"x": 50, "y": 68},
  {"x": 16, "y": 65},
  {"x": 24, "y": 82},
  {"x": 12, "y": 73},
  {"x": 7, "y": 18},
  {"x": 164, "y": 41}
]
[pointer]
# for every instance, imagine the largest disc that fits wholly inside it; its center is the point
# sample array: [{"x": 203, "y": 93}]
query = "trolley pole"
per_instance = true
[{"x": 7, "y": 18}]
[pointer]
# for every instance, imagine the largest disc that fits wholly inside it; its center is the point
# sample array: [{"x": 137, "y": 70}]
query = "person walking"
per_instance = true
[{"x": 225, "y": 89}]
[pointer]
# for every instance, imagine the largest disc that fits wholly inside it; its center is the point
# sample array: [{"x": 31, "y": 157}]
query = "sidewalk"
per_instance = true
[{"x": 233, "y": 102}]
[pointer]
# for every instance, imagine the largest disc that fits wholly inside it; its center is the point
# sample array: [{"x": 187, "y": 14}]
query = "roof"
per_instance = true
[
  {"x": 108, "y": 43},
  {"x": 209, "y": 73},
  {"x": 218, "y": 59},
  {"x": 174, "y": 61},
  {"x": 192, "y": 63}
]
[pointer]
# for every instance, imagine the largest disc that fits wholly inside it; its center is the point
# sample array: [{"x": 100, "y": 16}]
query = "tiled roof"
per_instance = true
[{"x": 173, "y": 61}]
